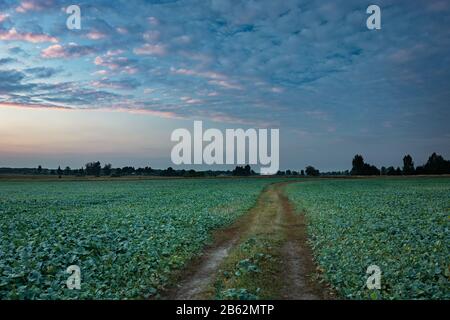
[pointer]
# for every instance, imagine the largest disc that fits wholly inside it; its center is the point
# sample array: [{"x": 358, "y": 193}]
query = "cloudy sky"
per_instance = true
[{"x": 136, "y": 70}]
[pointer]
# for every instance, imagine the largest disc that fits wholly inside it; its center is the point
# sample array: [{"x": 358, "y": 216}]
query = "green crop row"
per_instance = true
[
  {"x": 400, "y": 225},
  {"x": 127, "y": 237}
]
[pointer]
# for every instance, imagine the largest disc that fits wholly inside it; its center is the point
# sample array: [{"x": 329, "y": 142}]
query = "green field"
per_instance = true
[
  {"x": 400, "y": 225},
  {"x": 127, "y": 237},
  {"x": 130, "y": 238}
]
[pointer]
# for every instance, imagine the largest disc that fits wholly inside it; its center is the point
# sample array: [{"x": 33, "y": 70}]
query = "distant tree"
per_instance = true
[
  {"x": 243, "y": 171},
  {"x": 383, "y": 171},
  {"x": 288, "y": 172},
  {"x": 67, "y": 171},
  {"x": 169, "y": 172},
  {"x": 311, "y": 171},
  {"x": 357, "y": 165},
  {"x": 390, "y": 171},
  {"x": 398, "y": 171},
  {"x": 302, "y": 172},
  {"x": 436, "y": 164},
  {"x": 107, "y": 169},
  {"x": 190, "y": 173},
  {"x": 148, "y": 171},
  {"x": 93, "y": 169},
  {"x": 79, "y": 172},
  {"x": 420, "y": 170},
  {"x": 408, "y": 165},
  {"x": 59, "y": 172},
  {"x": 39, "y": 169},
  {"x": 295, "y": 173},
  {"x": 370, "y": 170},
  {"x": 359, "y": 168},
  {"x": 128, "y": 171}
]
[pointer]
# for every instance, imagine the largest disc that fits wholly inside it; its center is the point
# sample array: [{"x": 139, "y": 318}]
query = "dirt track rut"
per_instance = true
[{"x": 296, "y": 255}]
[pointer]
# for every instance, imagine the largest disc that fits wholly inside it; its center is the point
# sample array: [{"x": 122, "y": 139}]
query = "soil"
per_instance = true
[{"x": 300, "y": 277}]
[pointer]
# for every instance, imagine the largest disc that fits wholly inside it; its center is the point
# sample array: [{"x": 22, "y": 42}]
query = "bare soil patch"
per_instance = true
[{"x": 300, "y": 282}]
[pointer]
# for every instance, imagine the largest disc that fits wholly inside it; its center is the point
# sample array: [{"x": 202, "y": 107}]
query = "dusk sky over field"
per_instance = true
[{"x": 114, "y": 90}]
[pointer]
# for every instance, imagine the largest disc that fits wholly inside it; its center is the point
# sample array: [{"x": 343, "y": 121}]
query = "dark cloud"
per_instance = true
[
  {"x": 42, "y": 72},
  {"x": 11, "y": 81},
  {"x": 18, "y": 51},
  {"x": 279, "y": 61},
  {"x": 71, "y": 50},
  {"x": 4, "y": 61},
  {"x": 123, "y": 84}
]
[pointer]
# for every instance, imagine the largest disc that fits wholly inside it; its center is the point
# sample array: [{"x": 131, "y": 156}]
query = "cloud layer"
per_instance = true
[{"x": 307, "y": 66}]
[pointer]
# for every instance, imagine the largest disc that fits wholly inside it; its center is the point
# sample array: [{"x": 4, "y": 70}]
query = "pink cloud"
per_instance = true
[
  {"x": 121, "y": 64},
  {"x": 202, "y": 74},
  {"x": 226, "y": 84},
  {"x": 143, "y": 111},
  {"x": 3, "y": 17},
  {"x": 52, "y": 52},
  {"x": 122, "y": 30},
  {"x": 153, "y": 21},
  {"x": 98, "y": 61},
  {"x": 32, "y": 106},
  {"x": 117, "y": 52},
  {"x": 183, "y": 39},
  {"x": 217, "y": 79},
  {"x": 132, "y": 110},
  {"x": 33, "y": 5},
  {"x": 193, "y": 101},
  {"x": 149, "y": 90},
  {"x": 14, "y": 35},
  {"x": 100, "y": 73},
  {"x": 96, "y": 35},
  {"x": 151, "y": 49},
  {"x": 130, "y": 70},
  {"x": 107, "y": 85},
  {"x": 276, "y": 90},
  {"x": 71, "y": 51},
  {"x": 151, "y": 36},
  {"x": 190, "y": 100},
  {"x": 221, "y": 117}
]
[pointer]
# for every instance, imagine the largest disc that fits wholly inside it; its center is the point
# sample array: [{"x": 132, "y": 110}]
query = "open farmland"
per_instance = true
[
  {"x": 127, "y": 237},
  {"x": 400, "y": 225}
]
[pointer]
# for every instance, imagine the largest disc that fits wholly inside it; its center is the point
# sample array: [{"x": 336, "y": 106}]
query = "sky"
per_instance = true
[{"x": 137, "y": 70}]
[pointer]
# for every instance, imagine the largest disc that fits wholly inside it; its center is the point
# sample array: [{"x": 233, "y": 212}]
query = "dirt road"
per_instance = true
[{"x": 274, "y": 221}]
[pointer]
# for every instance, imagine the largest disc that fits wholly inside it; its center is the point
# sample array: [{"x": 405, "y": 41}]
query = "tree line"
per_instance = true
[
  {"x": 435, "y": 165},
  {"x": 97, "y": 170}
]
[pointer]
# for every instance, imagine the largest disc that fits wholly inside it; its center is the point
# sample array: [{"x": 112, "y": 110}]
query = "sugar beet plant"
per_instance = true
[
  {"x": 127, "y": 237},
  {"x": 400, "y": 225}
]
